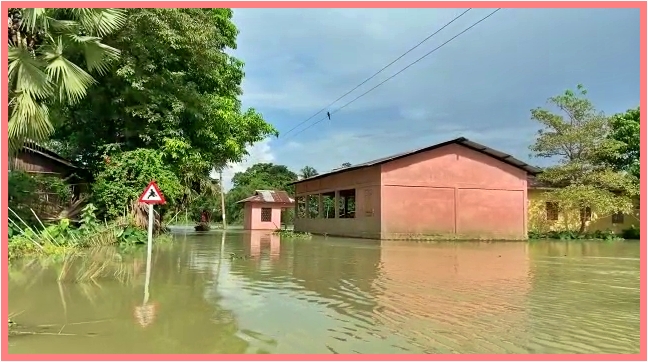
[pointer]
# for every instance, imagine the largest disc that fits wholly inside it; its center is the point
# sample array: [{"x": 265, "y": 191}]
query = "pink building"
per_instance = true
[
  {"x": 458, "y": 189},
  {"x": 262, "y": 211}
]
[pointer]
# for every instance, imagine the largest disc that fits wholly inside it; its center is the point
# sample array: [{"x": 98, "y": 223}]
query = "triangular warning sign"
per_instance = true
[{"x": 152, "y": 195}]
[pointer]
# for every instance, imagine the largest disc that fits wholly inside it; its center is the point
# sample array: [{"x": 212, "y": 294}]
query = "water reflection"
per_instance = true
[
  {"x": 585, "y": 298},
  {"x": 256, "y": 239},
  {"x": 470, "y": 297},
  {"x": 100, "y": 317},
  {"x": 329, "y": 295}
]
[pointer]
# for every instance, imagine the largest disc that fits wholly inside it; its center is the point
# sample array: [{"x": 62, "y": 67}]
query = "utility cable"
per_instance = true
[
  {"x": 399, "y": 72},
  {"x": 378, "y": 72}
]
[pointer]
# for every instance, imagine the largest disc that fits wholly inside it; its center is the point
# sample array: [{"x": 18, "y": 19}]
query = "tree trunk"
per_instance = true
[{"x": 582, "y": 223}]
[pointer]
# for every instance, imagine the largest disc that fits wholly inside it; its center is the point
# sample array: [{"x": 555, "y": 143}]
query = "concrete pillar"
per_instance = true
[
  {"x": 337, "y": 202},
  {"x": 320, "y": 206}
]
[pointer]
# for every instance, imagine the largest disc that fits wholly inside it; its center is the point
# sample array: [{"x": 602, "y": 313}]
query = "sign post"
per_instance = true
[{"x": 150, "y": 196}]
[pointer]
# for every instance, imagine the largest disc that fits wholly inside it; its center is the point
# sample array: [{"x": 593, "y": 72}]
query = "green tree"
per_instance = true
[
  {"x": 578, "y": 139},
  {"x": 346, "y": 164},
  {"x": 625, "y": 130},
  {"x": 175, "y": 88},
  {"x": 48, "y": 51},
  {"x": 261, "y": 176},
  {"x": 125, "y": 176},
  {"x": 308, "y": 172}
]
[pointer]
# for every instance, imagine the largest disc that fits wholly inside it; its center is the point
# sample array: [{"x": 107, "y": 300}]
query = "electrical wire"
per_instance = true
[
  {"x": 378, "y": 72},
  {"x": 397, "y": 73}
]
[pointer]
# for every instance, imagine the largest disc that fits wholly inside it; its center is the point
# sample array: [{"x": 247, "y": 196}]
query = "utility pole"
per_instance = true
[{"x": 222, "y": 194}]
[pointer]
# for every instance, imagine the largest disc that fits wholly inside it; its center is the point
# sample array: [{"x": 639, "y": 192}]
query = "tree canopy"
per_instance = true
[
  {"x": 48, "y": 51},
  {"x": 308, "y": 172},
  {"x": 261, "y": 176},
  {"x": 625, "y": 129},
  {"x": 578, "y": 139},
  {"x": 175, "y": 88}
]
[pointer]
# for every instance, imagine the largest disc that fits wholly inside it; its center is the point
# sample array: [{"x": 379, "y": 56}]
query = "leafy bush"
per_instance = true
[
  {"x": 27, "y": 192},
  {"x": 59, "y": 238},
  {"x": 573, "y": 235},
  {"x": 291, "y": 234},
  {"x": 632, "y": 233},
  {"x": 125, "y": 176}
]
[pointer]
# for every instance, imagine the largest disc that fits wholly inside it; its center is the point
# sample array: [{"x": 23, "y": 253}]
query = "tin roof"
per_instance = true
[
  {"x": 501, "y": 156},
  {"x": 34, "y": 147},
  {"x": 270, "y": 196},
  {"x": 534, "y": 183}
]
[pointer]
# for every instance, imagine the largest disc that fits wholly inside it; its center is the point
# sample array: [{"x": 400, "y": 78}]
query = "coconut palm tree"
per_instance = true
[
  {"x": 48, "y": 51},
  {"x": 308, "y": 172}
]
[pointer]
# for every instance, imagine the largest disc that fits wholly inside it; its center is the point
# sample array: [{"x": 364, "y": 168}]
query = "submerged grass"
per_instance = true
[
  {"x": 63, "y": 239},
  {"x": 291, "y": 234}
]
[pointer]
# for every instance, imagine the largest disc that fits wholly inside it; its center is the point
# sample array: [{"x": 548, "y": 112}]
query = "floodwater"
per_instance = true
[{"x": 332, "y": 295}]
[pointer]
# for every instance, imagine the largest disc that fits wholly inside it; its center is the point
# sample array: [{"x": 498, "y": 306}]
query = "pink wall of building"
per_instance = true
[
  {"x": 252, "y": 216},
  {"x": 453, "y": 191}
]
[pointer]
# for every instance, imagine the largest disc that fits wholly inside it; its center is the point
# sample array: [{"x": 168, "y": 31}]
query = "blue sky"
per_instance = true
[{"x": 481, "y": 85}]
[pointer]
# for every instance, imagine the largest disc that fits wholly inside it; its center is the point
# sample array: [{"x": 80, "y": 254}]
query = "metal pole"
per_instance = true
[
  {"x": 149, "y": 253},
  {"x": 222, "y": 195}
]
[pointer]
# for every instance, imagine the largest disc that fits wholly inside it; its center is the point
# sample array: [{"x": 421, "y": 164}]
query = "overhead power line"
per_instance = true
[
  {"x": 378, "y": 72},
  {"x": 399, "y": 72}
]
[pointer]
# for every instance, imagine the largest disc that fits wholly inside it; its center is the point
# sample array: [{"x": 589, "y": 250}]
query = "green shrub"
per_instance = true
[
  {"x": 26, "y": 193},
  {"x": 55, "y": 239},
  {"x": 290, "y": 234},
  {"x": 573, "y": 235},
  {"x": 124, "y": 178},
  {"x": 631, "y": 233}
]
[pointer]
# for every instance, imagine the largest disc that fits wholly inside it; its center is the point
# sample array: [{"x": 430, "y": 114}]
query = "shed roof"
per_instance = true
[
  {"x": 270, "y": 196},
  {"x": 33, "y": 147},
  {"x": 498, "y": 155}
]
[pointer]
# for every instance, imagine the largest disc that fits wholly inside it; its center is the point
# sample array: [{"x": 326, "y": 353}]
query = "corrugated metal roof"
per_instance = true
[
  {"x": 36, "y": 148},
  {"x": 270, "y": 196},
  {"x": 501, "y": 156}
]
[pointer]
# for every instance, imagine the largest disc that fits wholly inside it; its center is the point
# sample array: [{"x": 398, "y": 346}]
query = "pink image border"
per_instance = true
[{"x": 321, "y": 357}]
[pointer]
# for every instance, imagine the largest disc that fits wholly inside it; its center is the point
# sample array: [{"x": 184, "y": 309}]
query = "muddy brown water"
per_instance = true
[{"x": 332, "y": 295}]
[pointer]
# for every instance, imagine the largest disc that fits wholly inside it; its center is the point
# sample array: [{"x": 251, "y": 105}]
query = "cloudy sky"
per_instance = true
[{"x": 481, "y": 85}]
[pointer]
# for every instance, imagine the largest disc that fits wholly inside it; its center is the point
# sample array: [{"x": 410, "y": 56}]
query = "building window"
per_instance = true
[
  {"x": 328, "y": 205},
  {"x": 300, "y": 204},
  {"x": 586, "y": 214},
  {"x": 552, "y": 211},
  {"x": 347, "y": 204},
  {"x": 617, "y": 218},
  {"x": 266, "y": 214},
  {"x": 313, "y": 206}
]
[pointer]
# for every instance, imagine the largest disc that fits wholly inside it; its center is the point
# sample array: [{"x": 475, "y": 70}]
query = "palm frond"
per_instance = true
[
  {"x": 62, "y": 26},
  {"x": 29, "y": 119},
  {"x": 26, "y": 74},
  {"x": 100, "y": 22},
  {"x": 97, "y": 55},
  {"x": 35, "y": 18},
  {"x": 72, "y": 81}
]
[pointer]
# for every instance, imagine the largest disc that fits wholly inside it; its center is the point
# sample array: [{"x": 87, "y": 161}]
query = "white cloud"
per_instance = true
[
  {"x": 480, "y": 86},
  {"x": 260, "y": 152}
]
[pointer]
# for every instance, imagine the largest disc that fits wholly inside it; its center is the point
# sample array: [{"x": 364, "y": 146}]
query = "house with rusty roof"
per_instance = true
[{"x": 262, "y": 211}]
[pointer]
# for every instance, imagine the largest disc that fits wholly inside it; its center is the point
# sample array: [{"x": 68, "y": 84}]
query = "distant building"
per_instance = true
[
  {"x": 38, "y": 160},
  {"x": 262, "y": 211},
  {"x": 545, "y": 216},
  {"x": 458, "y": 189}
]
